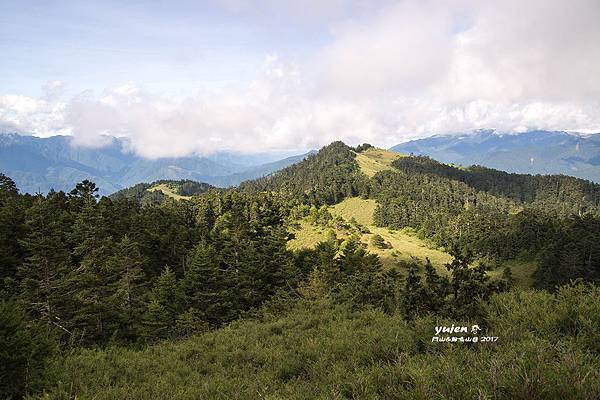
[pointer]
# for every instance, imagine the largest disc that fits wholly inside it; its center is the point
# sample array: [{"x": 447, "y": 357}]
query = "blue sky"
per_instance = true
[
  {"x": 181, "y": 77},
  {"x": 167, "y": 46}
]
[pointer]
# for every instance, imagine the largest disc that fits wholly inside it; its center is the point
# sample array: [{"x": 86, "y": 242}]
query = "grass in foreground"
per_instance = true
[{"x": 547, "y": 349}]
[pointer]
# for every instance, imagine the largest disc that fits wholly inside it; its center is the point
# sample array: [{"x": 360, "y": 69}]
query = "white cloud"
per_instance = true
[
  {"x": 403, "y": 70},
  {"x": 275, "y": 111},
  {"x": 536, "y": 49},
  {"x": 27, "y": 115},
  {"x": 405, "y": 47}
]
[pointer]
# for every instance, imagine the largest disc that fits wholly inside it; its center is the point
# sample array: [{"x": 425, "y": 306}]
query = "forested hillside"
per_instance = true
[
  {"x": 158, "y": 191},
  {"x": 57, "y": 163},
  {"x": 497, "y": 214},
  {"x": 533, "y": 152},
  {"x": 323, "y": 178},
  {"x": 492, "y": 213},
  {"x": 94, "y": 289}
]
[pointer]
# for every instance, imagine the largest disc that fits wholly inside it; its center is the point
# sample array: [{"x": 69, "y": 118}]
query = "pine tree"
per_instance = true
[
  {"x": 352, "y": 258},
  {"x": 12, "y": 227},
  {"x": 165, "y": 306},
  {"x": 126, "y": 285},
  {"x": 156, "y": 322},
  {"x": 413, "y": 293},
  {"x": 90, "y": 283},
  {"x": 435, "y": 288},
  {"x": 26, "y": 348},
  {"x": 44, "y": 287}
]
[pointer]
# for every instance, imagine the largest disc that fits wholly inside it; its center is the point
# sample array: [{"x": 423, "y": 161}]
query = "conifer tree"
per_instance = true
[
  {"x": 126, "y": 284},
  {"x": 12, "y": 227},
  {"x": 44, "y": 287},
  {"x": 205, "y": 284},
  {"x": 26, "y": 349},
  {"x": 165, "y": 305}
]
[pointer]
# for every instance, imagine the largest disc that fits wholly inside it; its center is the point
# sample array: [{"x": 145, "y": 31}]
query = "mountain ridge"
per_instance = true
[
  {"x": 533, "y": 152},
  {"x": 41, "y": 164}
]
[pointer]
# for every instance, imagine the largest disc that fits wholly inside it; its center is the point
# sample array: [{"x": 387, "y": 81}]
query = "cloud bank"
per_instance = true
[{"x": 402, "y": 70}]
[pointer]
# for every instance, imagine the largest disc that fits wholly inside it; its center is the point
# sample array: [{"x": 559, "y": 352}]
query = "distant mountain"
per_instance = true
[
  {"x": 262, "y": 170},
  {"x": 535, "y": 152},
  {"x": 40, "y": 164}
]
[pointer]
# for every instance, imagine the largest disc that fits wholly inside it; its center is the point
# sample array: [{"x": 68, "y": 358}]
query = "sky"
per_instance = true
[{"x": 195, "y": 77}]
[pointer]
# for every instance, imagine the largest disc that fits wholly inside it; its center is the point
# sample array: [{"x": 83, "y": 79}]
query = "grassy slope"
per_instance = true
[
  {"x": 411, "y": 246},
  {"x": 167, "y": 191},
  {"x": 403, "y": 244},
  {"x": 374, "y": 160},
  {"x": 307, "y": 236},
  {"x": 319, "y": 352}
]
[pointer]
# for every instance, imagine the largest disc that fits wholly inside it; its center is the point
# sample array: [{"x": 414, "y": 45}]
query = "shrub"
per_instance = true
[{"x": 379, "y": 242}]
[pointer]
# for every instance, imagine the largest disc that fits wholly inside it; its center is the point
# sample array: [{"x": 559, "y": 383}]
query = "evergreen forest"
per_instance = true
[{"x": 176, "y": 289}]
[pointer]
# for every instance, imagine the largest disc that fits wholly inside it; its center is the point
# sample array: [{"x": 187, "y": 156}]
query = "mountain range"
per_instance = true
[
  {"x": 534, "y": 152},
  {"x": 41, "y": 164}
]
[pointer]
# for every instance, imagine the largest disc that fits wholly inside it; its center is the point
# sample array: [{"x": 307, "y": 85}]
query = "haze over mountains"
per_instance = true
[
  {"x": 535, "y": 152},
  {"x": 40, "y": 164}
]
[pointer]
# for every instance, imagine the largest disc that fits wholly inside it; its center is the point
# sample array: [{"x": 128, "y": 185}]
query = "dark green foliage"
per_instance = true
[
  {"x": 449, "y": 212},
  {"x": 325, "y": 178},
  {"x": 381, "y": 290},
  {"x": 573, "y": 254},
  {"x": 142, "y": 195},
  {"x": 26, "y": 352},
  {"x": 494, "y": 214},
  {"x": 462, "y": 295},
  {"x": 352, "y": 276},
  {"x": 12, "y": 228},
  {"x": 44, "y": 288},
  {"x": 567, "y": 193},
  {"x": 469, "y": 287},
  {"x": 321, "y": 351},
  {"x": 428, "y": 296},
  {"x": 206, "y": 285},
  {"x": 94, "y": 269},
  {"x": 362, "y": 147}
]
